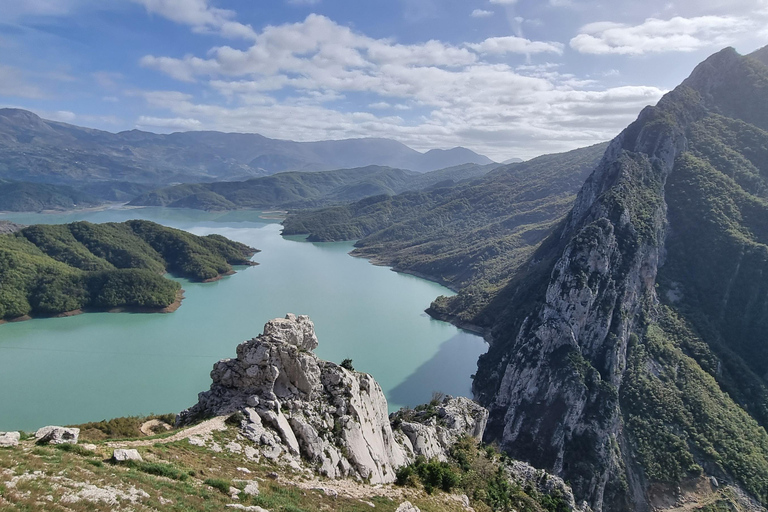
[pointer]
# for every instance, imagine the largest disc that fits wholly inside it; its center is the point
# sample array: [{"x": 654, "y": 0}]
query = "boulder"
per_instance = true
[
  {"x": 407, "y": 506},
  {"x": 57, "y": 435},
  {"x": 122, "y": 455},
  {"x": 8, "y": 439}
]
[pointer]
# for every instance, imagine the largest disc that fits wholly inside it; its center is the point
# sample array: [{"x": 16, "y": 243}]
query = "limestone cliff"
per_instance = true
[
  {"x": 296, "y": 407},
  {"x": 577, "y": 339}
]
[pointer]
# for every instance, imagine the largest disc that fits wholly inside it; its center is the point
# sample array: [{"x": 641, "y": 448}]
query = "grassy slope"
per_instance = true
[
  {"x": 50, "y": 269},
  {"x": 177, "y": 475}
]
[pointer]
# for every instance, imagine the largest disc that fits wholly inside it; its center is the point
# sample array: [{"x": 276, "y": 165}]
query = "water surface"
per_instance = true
[{"x": 102, "y": 365}]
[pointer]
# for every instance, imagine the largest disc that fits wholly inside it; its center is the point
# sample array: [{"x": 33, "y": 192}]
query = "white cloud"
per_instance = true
[
  {"x": 481, "y": 13},
  {"x": 503, "y": 2},
  {"x": 677, "y": 34},
  {"x": 174, "y": 123},
  {"x": 514, "y": 44},
  {"x": 449, "y": 95},
  {"x": 199, "y": 15}
]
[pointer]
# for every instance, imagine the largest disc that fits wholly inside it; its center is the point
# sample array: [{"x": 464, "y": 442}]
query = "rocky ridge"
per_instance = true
[
  {"x": 554, "y": 377},
  {"x": 296, "y": 407}
]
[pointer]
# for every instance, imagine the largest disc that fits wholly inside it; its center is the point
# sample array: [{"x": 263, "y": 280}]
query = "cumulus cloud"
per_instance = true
[
  {"x": 288, "y": 83},
  {"x": 199, "y": 15},
  {"x": 677, "y": 34},
  {"x": 173, "y": 123},
  {"x": 514, "y": 44},
  {"x": 481, "y": 13}
]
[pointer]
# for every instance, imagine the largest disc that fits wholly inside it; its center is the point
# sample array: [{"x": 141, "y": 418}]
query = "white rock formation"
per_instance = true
[
  {"x": 295, "y": 406},
  {"x": 57, "y": 435},
  {"x": 8, "y": 439},
  {"x": 122, "y": 455}
]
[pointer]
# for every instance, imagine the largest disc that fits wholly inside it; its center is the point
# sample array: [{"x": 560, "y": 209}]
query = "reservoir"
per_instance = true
[{"x": 102, "y": 365}]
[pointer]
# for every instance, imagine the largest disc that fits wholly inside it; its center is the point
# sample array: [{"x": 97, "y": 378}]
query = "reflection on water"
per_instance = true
[{"x": 456, "y": 356}]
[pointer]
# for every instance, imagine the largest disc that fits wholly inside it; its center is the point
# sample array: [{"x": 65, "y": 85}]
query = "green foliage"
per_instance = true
[
  {"x": 219, "y": 483},
  {"x": 677, "y": 414},
  {"x": 120, "y": 428},
  {"x": 51, "y": 269},
  {"x": 158, "y": 469},
  {"x": 19, "y": 196},
  {"x": 480, "y": 473},
  {"x": 76, "y": 449},
  {"x": 347, "y": 364}
]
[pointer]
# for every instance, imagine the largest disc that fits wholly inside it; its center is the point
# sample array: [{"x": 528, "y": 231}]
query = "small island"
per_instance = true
[{"x": 49, "y": 270}]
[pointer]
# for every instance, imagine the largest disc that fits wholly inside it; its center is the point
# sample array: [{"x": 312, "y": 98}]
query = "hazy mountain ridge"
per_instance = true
[
  {"x": 38, "y": 150},
  {"x": 305, "y": 189}
]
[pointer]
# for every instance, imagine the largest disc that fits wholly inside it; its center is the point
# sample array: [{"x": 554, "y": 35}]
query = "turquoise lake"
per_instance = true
[{"x": 102, "y": 365}]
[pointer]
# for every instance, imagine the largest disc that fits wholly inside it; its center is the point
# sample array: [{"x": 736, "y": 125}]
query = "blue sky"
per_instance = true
[{"x": 506, "y": 78}]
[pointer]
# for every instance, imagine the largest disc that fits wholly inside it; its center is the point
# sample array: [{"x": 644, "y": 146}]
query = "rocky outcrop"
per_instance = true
[
  {"x": 8, "y": 439},
  {"x": 297, "y": 408},
  {"x": 9, "y": 227},
  {"x": 123, "y": 455},
  {"x": 57, "y": 435}
]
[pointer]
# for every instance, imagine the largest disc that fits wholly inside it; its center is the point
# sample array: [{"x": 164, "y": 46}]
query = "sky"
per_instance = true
[{"x": 505, "y": 78}]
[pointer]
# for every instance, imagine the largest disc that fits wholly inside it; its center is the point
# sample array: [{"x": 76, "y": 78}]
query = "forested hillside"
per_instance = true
[
  {"x": 304, "y": 189},
  {"x": 470, "y": 236},
  {"x": 51, "y": 269}
]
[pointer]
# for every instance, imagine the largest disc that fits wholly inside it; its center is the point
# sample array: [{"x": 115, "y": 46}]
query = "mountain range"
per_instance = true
[{"x": 38, "y": 150}]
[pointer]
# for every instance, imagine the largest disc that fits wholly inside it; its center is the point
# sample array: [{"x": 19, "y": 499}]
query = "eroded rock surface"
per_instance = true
[
  {"x": 295, "y": 407},
  {"x": 57, "y": 435}
]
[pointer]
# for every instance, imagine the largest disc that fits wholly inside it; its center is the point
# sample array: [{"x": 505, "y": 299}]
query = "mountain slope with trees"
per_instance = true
[
  {"x": 53, "y": 269},
  {"x": 305, "y": 189},
  {"x": 628, "y": 349}
]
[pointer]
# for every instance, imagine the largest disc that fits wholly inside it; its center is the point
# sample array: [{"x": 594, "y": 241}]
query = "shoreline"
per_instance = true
[
  {"x": 170, "y": 308},
  {"x": 380, "y": 261}
]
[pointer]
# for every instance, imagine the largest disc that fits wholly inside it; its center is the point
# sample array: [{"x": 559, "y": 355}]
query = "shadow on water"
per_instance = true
[{"x": 456, "y": 357}]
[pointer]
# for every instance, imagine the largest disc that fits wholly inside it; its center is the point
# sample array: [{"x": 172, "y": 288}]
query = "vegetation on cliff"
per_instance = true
[
  {"x": 51, "y": 269},
  {"x": 629, "y": 340}
]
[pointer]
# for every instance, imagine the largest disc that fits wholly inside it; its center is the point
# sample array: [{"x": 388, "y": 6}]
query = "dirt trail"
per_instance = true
[{"x": 201, "y": 429}]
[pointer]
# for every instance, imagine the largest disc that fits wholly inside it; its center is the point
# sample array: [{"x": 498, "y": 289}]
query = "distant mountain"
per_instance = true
[
  {"x": 19, "y": 196},
  {"x": 512, "y": 161},
  {"x": 37, "y": 150},
  {"x": 291, "y": 190}
]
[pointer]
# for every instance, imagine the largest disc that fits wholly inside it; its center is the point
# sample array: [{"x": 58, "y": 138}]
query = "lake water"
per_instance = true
[{"x": 103, "y": 365}]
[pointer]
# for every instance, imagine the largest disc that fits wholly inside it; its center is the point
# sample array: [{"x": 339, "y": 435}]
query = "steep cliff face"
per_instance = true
[
  {"x": 296, "y": 407},
  {"x": 585, "y": 351}
]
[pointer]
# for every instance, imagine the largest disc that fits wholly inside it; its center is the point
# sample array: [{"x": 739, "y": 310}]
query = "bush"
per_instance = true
[{"x": 347, "y": 364}]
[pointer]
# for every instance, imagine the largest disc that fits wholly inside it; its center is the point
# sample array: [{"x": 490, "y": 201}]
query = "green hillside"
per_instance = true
[
  {"x": 304, "y": 189},
  {"x": 19, "y": 196},
  {"x": 51, "y": 269}
]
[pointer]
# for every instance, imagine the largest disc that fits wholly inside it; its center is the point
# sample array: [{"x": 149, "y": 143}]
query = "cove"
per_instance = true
[{"x": 103, "y": 365}]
